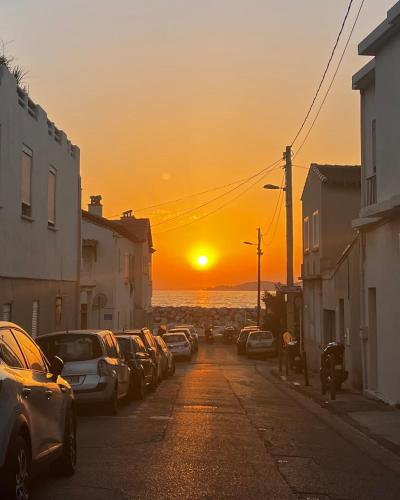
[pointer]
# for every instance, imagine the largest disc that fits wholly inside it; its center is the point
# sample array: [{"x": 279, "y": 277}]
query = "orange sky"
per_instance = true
[{"x": 172, "y": 97}]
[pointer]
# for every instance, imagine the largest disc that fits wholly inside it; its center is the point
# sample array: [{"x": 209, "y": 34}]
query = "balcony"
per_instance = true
[{"x": 370, "y": 190}]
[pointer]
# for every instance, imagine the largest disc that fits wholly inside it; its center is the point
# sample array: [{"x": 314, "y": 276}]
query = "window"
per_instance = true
[
  {"x": 140, "y": 347},
  {"x": 35, "y": 318},
  {"x": 10, "y": 352},
  {"x": 7, "y": 309},
  {"x": 26, "y": 181},
  {"x": 374, "y": 145},
  {"x": 58, "y": 312},
  {"x": 126, "y": 268},
  {"x": 306, "y": 235},
  {"x": 31, "y": 352},
  {"x": 111, "y": 348},
  {"x": 51, "y": 197},
  {"x": 131, "y": 269},
  {"x": 71, "y": 347},
  {"x": 315, "y": 230}
]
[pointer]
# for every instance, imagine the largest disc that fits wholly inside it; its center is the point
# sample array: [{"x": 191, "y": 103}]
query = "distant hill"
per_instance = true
[{"x": 245, "y": 287}]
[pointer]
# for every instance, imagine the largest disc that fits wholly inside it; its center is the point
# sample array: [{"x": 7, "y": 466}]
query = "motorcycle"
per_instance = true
[
  {"x": 209, "y": 336},
  {"x": 332, "y": 372},
  {"x": 295, "y": 358}
]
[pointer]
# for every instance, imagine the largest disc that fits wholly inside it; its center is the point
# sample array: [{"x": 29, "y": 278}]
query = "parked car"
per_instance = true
[
  {"x": 242, "y": 338},
  {"x": 143, "y": 371},
  {"x": 168, "y": 358},
  {"x": 188, "y": 335},
  {"x": 38, "y": 420},
  {"x": 178, "y": 344},
  {"x": 193, "y": 333},
  {"x": 93, "y": 365},
  {"x": 151, "y": 346},
  {"x": 260, "y": 343}
]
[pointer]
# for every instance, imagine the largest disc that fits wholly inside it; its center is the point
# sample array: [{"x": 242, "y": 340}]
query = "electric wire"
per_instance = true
[
  {"x": 187, "y": 196},
  {"x": 276, "y": 223},
  {"x": 221, "y": 207},
  {"x": 325, "y": 72},
  {"x": 193, "y": 209},
  {"x": 276, "y": 206},
  {"x": 333, "y": 78}
]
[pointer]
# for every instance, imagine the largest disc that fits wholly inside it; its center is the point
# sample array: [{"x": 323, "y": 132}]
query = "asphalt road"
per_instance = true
[{"x": 221, "y": 428}]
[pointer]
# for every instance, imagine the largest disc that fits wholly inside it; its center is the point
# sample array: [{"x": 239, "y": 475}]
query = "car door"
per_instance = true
[
  {"x": 48, "y": 402},
  {"x": 121, "y": 368},
  {"x": 144, "y": 358}
]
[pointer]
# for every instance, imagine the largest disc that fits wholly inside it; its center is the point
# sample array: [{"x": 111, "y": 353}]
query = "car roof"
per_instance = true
[
  {"x": 9, "y": 324},
  {"x": 173, "y": 333},
  {"x": 76, "y": 332},
  {"x": 260, "y": 331},
  {"x": 123, "y": 336}
]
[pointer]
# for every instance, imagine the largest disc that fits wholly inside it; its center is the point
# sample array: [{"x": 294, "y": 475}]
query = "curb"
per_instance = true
[{"x": 392, "y": 447}]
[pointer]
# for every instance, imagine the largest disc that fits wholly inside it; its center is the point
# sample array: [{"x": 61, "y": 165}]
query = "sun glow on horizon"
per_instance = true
[
  {"x": 202, "y": 260},
  {"x": 202, "y": 257}
]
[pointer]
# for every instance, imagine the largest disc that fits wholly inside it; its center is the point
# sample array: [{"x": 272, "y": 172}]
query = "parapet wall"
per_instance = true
[{"x": 203, "y": 316}]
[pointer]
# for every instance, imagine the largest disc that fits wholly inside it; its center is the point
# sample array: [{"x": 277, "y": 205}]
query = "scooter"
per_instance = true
[
  {"x": 295, "y": 358},
  {"x": 332, "y": 372}
]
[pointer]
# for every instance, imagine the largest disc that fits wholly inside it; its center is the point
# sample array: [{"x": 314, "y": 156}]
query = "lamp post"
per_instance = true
[
  {"x": 287, "y": 156},
  {"x": 259, "y": 254}
]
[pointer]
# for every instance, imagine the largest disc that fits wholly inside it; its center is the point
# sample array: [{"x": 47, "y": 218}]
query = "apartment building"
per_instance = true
[
  {"x": 39, "y": 215},
  {"x": 378, "y": 221}
]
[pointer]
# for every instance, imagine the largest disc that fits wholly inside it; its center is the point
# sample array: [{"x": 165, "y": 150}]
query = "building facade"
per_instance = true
[
  {"x": 116, "y": 271},
  {"x": 378, "y": 222},
  {"x": 330, "y": 269},
  {"x": 39, "y": 216}
]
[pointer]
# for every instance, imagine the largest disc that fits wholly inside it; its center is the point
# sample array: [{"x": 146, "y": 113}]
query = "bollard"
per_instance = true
[
  {"x": 305, "y": 369},
  {"x": 286, "y": 362},
  {"x": 332, "y": 384}
]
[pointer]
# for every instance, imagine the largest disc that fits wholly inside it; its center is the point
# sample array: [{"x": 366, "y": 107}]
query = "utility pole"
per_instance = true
[
  {"x": 287, "y": 156},
  {"x": 259, "y": 254}
]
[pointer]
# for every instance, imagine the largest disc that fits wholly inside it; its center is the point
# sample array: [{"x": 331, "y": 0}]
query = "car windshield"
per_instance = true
[
  {"x": 170, "y": 339},
  {"x": 124, "y": 345},
  {"x": 71, "y": 347},
  {"x": 261, "y": 336}
]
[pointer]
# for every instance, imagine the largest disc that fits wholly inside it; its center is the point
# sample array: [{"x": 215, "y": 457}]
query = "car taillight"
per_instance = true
[{"x": 103, "y": 368}]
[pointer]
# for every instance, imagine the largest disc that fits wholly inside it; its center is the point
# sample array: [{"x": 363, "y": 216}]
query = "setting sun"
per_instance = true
[{"x": 202, "y": 260}]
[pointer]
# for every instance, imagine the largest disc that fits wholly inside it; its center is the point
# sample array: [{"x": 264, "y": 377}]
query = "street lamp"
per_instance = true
[
  {"x": 259, "y": 254},
  {"x": 273, "y": 186}
]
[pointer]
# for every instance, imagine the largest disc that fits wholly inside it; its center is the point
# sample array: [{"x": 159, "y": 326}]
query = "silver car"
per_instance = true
[
  {"x": 37, "y": 413},
  {"x": 260, "y": 343},
  {"x": 93, "y": 365}
]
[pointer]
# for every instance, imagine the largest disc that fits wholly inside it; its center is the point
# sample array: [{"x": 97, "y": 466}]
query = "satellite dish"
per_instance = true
[{"x": 99, "y": 301}]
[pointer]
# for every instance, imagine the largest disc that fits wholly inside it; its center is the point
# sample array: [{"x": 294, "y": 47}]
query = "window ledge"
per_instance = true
[
  {"x": 52, "y": 228},
  {"x": 27, "y": 218}
]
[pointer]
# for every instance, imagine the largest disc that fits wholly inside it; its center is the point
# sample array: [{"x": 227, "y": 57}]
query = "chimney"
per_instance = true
[
  {"x": 128, "y": 214},
  {"x": 95, "y": 207}
]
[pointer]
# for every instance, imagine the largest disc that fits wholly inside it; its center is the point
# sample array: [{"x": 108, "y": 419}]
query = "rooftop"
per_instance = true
[{"x": 338, "y": 173}]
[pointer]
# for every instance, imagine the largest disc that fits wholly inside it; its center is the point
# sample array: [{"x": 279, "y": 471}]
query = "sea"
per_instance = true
[{"x": 204, "y": 298}]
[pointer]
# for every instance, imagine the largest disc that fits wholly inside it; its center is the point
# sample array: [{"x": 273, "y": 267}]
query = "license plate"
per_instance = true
[{"x": 72, "y": 379}]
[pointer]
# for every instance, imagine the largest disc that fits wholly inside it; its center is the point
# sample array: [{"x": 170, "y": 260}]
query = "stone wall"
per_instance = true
[{"x": 203, "y": 316}]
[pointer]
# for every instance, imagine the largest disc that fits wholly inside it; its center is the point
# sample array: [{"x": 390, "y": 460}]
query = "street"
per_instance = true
[{"x": 222, "y": 427}]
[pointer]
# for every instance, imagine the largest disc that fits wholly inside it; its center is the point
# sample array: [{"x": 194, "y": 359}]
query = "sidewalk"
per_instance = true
[{"x": 375, "y": 419}]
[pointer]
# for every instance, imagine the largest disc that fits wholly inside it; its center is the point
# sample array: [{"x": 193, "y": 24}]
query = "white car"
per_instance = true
[
  {"x": 178, "y": 344},
  {"x": 261, "y": 343},
  {"x": 93, "y": 365}
]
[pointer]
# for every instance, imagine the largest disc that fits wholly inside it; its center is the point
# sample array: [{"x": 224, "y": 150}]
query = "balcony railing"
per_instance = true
[{"x": 370, "y": 190}]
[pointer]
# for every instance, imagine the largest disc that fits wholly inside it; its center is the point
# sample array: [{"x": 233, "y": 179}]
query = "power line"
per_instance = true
[
  {"x": 333, "y": 78},
  {"x": 221, "y": 206},
  {"x": 276, "y": 205},
  {"x": 276, "y": 223},
  {"x": 176, "y": 200},
  {"x": 190, "y": 210},
  {"x": 325, "y": 72}
]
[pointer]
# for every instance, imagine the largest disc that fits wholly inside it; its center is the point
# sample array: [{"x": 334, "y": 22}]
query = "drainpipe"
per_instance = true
[{"x": 363, "y": 325}]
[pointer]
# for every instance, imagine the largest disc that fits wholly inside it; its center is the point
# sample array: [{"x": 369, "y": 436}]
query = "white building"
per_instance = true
[
  {"x": 116, "y": 270},
  {"x": 39, "y": 216},
  {"x": 330, "y": 269},
  {"x": 379, "y": 218}
]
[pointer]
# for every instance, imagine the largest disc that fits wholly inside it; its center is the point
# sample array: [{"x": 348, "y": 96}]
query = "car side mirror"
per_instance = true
[{"x": 57, "y": 366}]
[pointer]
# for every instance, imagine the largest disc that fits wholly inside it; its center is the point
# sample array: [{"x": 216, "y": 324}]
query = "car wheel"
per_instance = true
[
  {"x": 153, "y": 384},
  {"x": 140, "y": 391},
  {"x": 15, "y": 480},
  {"x": 66, "y": 464},
  {"x": 111, "y": 406}
]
